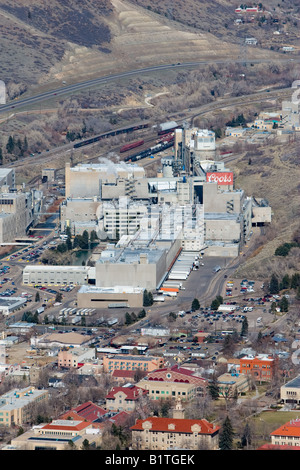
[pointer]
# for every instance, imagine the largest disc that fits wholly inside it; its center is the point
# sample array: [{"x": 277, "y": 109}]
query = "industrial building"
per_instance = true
[
  {"x": 11, "y": 304},
  {"x": 16, "y": 215},
  {"x": 55, "y": 275},
  {"x": 7, "y": 179},
  {"x": 212, "y": 186},
  {"x": 110, "y": 297},
  {"x": 189, "y": 206},
  {"x": 105, "y": 180},
  {"x": 193, "y": 145}
]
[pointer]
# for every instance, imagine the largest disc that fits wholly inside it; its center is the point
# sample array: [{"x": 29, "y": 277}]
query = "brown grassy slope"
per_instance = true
[
  {"x": 49, "y": 42},
  {"x": 218, "y": 17},
  {"x": 36, "y": 34},
  {"x": 274, "y": 174}
]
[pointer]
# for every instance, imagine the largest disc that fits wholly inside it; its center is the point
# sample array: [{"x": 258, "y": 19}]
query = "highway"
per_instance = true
[{"x": 67, "y": 89}]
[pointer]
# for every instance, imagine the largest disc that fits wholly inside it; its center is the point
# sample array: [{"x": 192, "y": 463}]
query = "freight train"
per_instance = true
[
  {"x": 164, "y": 142},
  {"x": 131, "y": 146},
  {"x": 125, "y": 130},
  {"x": 148, "y": 152}
]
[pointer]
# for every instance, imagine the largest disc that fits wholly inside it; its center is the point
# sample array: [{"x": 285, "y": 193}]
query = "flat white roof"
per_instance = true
[
  {"x": 110, "y": 290},
  {"x": 50, "y": 268}
]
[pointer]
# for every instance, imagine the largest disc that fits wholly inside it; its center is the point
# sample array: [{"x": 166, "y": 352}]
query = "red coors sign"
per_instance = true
[{"x": 220, "y": 178}]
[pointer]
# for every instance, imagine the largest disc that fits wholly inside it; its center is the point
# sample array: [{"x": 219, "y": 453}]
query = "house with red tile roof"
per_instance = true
[
  {"x": 173, "y": 382},
  {"x": 156, "y": 433},
  {"x": 88, "y": 411},
  {"x": 287, "y": 435},
  {"x": 275, "y": 447},
  {"x": 124, "y": 398}
]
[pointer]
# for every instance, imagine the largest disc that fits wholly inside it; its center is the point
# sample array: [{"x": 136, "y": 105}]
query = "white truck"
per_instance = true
[{"x": 226, "y": 308}]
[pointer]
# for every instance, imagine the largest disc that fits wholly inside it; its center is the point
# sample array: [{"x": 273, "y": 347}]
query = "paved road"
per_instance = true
[{"x": 64, "y": 90}]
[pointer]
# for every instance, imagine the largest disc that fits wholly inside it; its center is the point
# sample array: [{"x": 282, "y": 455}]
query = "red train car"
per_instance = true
[{"x": 133, "y": 145}]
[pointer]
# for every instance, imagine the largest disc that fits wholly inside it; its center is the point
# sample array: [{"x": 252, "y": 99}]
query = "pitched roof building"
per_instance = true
[
  {"x": 174, "y": 382},
  {"x": 288, "y": 434},
  {"x": 155, "y": 433},
  {"x": 124, "y": 398}
]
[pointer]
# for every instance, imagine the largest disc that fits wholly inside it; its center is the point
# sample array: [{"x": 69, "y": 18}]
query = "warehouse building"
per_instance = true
[
  {"x": 11, "y": 304},
  {"x": 110, "y": 297},
  {"x": 16, "y": 215},
  {"x": 55, "y": 275}
]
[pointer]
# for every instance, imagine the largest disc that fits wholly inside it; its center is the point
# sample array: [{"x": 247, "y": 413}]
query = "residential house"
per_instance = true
[{"x": 124, "y": 398}]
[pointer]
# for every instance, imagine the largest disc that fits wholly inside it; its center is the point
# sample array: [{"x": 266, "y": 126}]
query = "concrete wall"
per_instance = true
[
  {"x": 215, "y": 200},
  {"x": 103, "y": 300},
  {"x": 223, "y": 230},
  {"x": 52, "y": 275},
  {"x": 123, "y": 274},
  {"x": 261, "y": 214}
]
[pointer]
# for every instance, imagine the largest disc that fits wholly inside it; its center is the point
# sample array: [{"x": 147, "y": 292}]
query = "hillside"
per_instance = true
[
  {"x": 274, "y": 174},
  {"x": 45, "y": 43}
]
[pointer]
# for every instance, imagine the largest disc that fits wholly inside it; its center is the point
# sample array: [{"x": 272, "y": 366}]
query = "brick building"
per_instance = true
[{"x": 262, "y": 367}]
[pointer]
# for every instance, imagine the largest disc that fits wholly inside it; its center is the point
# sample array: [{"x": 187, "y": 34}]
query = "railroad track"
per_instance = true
[{"x": 189, "y": 116}]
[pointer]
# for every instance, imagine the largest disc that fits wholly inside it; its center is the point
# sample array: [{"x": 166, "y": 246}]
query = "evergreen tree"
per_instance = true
[
  {"x": 25, "y": 145},
  {"x": 1, "y": 156},
  {"x": 273, "y": 307},
  {"x": 226, "y": 435},
  {"x": 215, "y": 304},
  {"x": 85, "y": 239},
  {"x": 244, "y": 330},
  {"x": 284, "y": 304},
  {"x": 20, "y": 147},
  {"x": 10, "y": 144},
  {"x": 128, "y": 319},
  {"x": 195, "y": 304},
  {"x": 295, "y": 281},
  {"x": 142, "y": 313},
  {"x": 274, "y": 285},
  {"x": 213, "y": 389},
  {"x": 147, "y": 298},
  {"x": 93, "y": 236},
  {"x": 285, "y": 282},
  {"x": 85, "y": 444}
]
